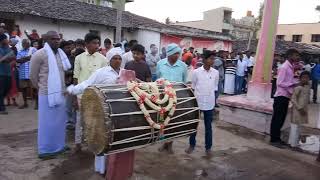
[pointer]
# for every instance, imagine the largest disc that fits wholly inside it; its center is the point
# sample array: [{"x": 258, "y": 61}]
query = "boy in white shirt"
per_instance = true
[{"x": 205, "y": 82}]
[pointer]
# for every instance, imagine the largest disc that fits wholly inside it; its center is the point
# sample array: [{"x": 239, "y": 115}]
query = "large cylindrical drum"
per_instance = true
[
  {"x": 113, "y": 121},
  {"x": 229, "y": 80}
]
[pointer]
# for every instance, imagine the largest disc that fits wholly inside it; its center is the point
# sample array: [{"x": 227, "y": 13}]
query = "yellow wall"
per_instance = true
[{"x": 304, "y": 29}]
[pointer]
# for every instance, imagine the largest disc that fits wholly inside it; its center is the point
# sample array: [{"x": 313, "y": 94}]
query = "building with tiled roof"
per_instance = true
[{"x": 74, "y": 19}]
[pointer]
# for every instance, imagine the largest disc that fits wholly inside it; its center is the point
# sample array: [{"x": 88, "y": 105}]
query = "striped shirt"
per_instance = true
[{"x": 24, "y": 69}]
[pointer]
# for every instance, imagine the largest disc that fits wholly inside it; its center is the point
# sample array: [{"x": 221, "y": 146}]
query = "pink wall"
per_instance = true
[{"x": 197, "y": 43}]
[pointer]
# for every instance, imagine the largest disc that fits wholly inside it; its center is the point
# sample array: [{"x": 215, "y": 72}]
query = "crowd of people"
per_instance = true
[{"x": 45, "y": 65}]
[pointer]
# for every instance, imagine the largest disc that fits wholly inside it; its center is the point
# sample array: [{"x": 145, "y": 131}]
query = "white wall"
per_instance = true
[
  {"x": 213, "y": 19},
  {"x": 70, "y": 30},
  {"x": 146, "y": 38},
  {"x": 128, "y": 35},
  {"x": 73, "y": 31}
]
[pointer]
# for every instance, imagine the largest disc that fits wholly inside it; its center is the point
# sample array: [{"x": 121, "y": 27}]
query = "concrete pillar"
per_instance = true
[
  {"x": 120, "y": 6},
  {"x": 260, "y": 86}
]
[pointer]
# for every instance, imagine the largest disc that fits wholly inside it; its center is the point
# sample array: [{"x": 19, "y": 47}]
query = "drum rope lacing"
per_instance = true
[{"x": 151, "y": 135}]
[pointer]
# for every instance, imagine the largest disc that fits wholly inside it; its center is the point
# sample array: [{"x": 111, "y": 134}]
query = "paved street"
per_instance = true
[{"x": 238, "y": 154}]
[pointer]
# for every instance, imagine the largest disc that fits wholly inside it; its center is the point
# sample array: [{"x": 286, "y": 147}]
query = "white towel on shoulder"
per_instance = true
[{"x": 55, "y": 94}]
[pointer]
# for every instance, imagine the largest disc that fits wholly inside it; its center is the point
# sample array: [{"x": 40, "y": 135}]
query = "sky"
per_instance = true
[{"x": 291, "y": 11}]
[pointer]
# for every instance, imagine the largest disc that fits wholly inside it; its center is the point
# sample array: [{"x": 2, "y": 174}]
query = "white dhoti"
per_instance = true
[{"x": 294, "y": 135}]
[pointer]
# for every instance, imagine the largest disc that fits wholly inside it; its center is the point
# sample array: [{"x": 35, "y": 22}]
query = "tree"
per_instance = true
[
  {"x": 258, "y": 21},
  {"x": 168, "y": 21}
]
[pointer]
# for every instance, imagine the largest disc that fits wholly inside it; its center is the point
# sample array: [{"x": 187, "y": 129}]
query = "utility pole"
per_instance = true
[
  {"x": 119, "y": 26},
  {"x": 119, "y": 5}
]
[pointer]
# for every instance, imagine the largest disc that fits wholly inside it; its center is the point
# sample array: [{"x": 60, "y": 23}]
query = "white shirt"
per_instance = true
[
  {"x": 189, "y": 74},
  {"x": 242, "y": 67},
  {"x": 307, "y": 67},
  {"x": 106, "y": 76},
  {"x": 127, "y": 57},
  {"x": 248, "y": 60},
  {"x": 205, "y": 83},
  {"x": 252, "y": 60}
]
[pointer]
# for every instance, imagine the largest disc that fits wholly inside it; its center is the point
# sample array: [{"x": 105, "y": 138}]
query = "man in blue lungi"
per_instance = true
[{"x": 47, "y": 74}]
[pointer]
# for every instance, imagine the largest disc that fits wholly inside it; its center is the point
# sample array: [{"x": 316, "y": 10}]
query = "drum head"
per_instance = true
[{"x": 93, "y": 116}]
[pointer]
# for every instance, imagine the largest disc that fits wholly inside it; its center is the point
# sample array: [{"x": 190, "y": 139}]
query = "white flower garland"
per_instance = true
[{"x": 138, "y": 91}]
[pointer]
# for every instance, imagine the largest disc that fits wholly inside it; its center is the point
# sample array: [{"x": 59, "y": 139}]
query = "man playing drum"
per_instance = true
[{"x": 120, "y": 166}]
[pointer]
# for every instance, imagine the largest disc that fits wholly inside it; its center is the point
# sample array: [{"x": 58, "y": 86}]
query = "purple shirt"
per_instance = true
[{"x": 286, "y": 81}]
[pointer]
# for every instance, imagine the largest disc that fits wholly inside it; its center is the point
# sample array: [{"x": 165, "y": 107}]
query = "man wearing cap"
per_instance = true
[
  {"x": 120, "y": 166},
  {"x": 174, "y": 70}
]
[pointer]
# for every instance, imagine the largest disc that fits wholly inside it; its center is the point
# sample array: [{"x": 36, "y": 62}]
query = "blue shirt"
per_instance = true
[
  {"x": 4, "y": 66},
  {"x": 24, "y": 69},
  {"x": 174, "y": 73},
  {"x": 315, "y": 73}
]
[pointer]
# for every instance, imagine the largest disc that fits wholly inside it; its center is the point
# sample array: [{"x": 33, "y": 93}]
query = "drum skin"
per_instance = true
[{"x": 113, "y": 121}]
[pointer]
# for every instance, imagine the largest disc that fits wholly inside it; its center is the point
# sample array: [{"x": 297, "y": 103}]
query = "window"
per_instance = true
[
  {"x": 296, "y": 38},
  {"x": 280, "y": 37},
  {"x": 91, "y": 1},
  {"x": 315, "y": 38},
  {"x": 106, "y": 3},
  {"x": 227, "y": 17},
  {"x": 225, "y": 31}
]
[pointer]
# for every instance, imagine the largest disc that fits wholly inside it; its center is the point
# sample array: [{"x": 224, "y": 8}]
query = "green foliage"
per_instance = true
[{"x": 258, "y": 21}]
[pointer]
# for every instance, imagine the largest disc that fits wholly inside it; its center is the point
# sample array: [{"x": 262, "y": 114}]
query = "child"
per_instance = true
[
  {"x": 300, "y": 101},
  {"x": 138, "y": 65}
]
